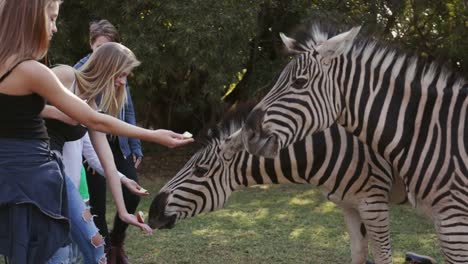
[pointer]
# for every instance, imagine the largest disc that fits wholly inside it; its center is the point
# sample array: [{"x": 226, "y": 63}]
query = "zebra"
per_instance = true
[
  {"x": 413, "y": 113},
  {"x": 346, "y": 170}
]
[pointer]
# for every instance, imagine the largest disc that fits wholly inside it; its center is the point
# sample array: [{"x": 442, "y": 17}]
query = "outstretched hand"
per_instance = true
[
  {"x": 171, "y": 139},
  {"x": 132, "y": 220},
  {"x": 134, "y": 187}
]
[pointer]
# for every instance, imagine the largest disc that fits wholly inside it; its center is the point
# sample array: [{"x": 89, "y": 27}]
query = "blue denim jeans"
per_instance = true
[
  {"x": 75, "y": 254},
  {"x": 60, "y": 256},
  {"x": 84, "y": 232}
]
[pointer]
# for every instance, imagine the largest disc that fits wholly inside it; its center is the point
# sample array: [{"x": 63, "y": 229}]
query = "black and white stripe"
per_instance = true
[
  {"x": 412, "y": 113},
  {"x": 346, "y": 170}
]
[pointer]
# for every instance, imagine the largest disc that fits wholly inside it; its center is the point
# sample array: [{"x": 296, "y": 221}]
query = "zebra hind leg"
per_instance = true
[
  {"x": 451, "y": 220},
  {"x": 375, "y": 217},
  {"x": 452, "y": 231},
  {"x": 358, "y": 236}
]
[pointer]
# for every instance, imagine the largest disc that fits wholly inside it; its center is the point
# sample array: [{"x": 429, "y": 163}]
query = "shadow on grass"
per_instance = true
[{"x": 271, "y": 224}]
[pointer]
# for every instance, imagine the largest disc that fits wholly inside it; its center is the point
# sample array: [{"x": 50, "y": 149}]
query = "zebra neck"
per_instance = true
[
  {"x": 392, "y": 99},
  {"x": 252, "y": 170}
]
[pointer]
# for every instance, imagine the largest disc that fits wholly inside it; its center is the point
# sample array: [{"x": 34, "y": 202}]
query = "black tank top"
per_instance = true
[
  {"x": 19, "y": 114},
  {"x": 60, "y": 132}
]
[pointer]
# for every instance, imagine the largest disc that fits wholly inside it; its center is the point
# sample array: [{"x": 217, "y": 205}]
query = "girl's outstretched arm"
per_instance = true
[
  {"x": 42, "y": 81},
  {"x": 103, "y": 150},
  {"x": 93, "y": 162}
]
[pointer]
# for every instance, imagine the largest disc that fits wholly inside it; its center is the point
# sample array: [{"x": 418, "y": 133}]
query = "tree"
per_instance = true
[{"x": 194, "y": 52}]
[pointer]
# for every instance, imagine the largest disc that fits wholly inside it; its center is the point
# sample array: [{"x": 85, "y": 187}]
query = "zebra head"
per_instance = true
[
  {"x": 305, "y": 98},
  {"x": 206, "y": 181}
]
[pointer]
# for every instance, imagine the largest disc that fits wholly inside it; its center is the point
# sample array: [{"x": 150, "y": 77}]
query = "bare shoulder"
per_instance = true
[
  {"x": 26, "y": 77},
  {"x": 40, "y": 79},
  {"x": 32, "y": 67},
  {"x": 65, "y": 73}
]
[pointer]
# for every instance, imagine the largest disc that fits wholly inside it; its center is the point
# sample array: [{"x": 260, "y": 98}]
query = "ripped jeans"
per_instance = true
[
  {"x": 83, "y": 231},
  {"x": 61, "y": 256}
]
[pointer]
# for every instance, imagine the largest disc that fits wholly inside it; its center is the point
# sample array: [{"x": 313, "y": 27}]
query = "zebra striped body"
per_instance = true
[
  {"x": 413, "y": 114},
  {"x": 347, "y": 172}
]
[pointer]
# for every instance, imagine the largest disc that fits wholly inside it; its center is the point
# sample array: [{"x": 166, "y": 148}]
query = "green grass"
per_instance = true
[{"x": 270, "y": 224}]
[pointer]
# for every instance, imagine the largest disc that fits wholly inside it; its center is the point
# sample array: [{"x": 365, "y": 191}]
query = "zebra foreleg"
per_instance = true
[{"x": 357, "y": 234}]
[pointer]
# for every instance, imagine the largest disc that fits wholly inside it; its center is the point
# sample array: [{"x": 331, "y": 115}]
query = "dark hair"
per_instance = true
[{"x": 103, "y": 28}]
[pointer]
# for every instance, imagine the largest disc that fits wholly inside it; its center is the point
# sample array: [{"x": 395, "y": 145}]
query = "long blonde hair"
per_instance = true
[
  {"x": 96, "y": 78},
  {"x": 24, "y": 29}
]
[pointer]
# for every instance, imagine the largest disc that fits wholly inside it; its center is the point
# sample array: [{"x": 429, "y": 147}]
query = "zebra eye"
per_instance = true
[
  {"x": 299, "y": 83},
  {"x": 200, "y": 171}
]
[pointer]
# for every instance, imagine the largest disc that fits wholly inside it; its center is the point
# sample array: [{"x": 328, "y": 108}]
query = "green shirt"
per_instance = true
[{"x": 83, "y": 185}]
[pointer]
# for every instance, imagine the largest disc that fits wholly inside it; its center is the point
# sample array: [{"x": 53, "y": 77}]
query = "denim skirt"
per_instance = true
[{"x": 33, "y": 205}]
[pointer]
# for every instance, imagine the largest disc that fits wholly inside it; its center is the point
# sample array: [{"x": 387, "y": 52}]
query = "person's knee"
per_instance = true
[
  {"x": 87, "y": 216},
  {"x": 98, "y": 242}
]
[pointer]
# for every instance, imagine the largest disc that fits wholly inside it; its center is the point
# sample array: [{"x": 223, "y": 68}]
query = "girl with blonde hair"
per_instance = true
[
  {"x": 101, "y": 82},
  {"x": 99, "y": 73},
  {"x": 34, "y": 226}
]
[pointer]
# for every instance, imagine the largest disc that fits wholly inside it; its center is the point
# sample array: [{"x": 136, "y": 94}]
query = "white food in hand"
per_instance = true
[{"x": 187, "y": 134}]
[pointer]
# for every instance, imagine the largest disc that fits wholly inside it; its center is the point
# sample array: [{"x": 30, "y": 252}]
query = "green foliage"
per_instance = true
[{"x": 193, "y": 51}]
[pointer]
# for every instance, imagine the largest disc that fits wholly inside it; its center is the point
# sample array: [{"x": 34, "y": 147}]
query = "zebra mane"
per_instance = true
[
  {"x": 314, "y": 33},
  {"x": 232, "y": 121}
]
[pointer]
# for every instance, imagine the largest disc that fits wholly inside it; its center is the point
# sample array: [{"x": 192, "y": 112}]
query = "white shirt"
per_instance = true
[{"x": 72, "y": 158}]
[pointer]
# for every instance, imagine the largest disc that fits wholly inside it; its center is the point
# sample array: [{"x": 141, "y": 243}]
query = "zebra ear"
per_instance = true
[
  {"x": 291, "y": 44},
  {"x": 335, "y": 46},
  {"x": 232, "y": 144}
]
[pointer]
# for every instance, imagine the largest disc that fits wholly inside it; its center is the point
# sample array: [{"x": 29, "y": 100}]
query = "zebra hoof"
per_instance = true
[
  {"x": 369, "y": 262},
  {"x": 413, "y": 258}
]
